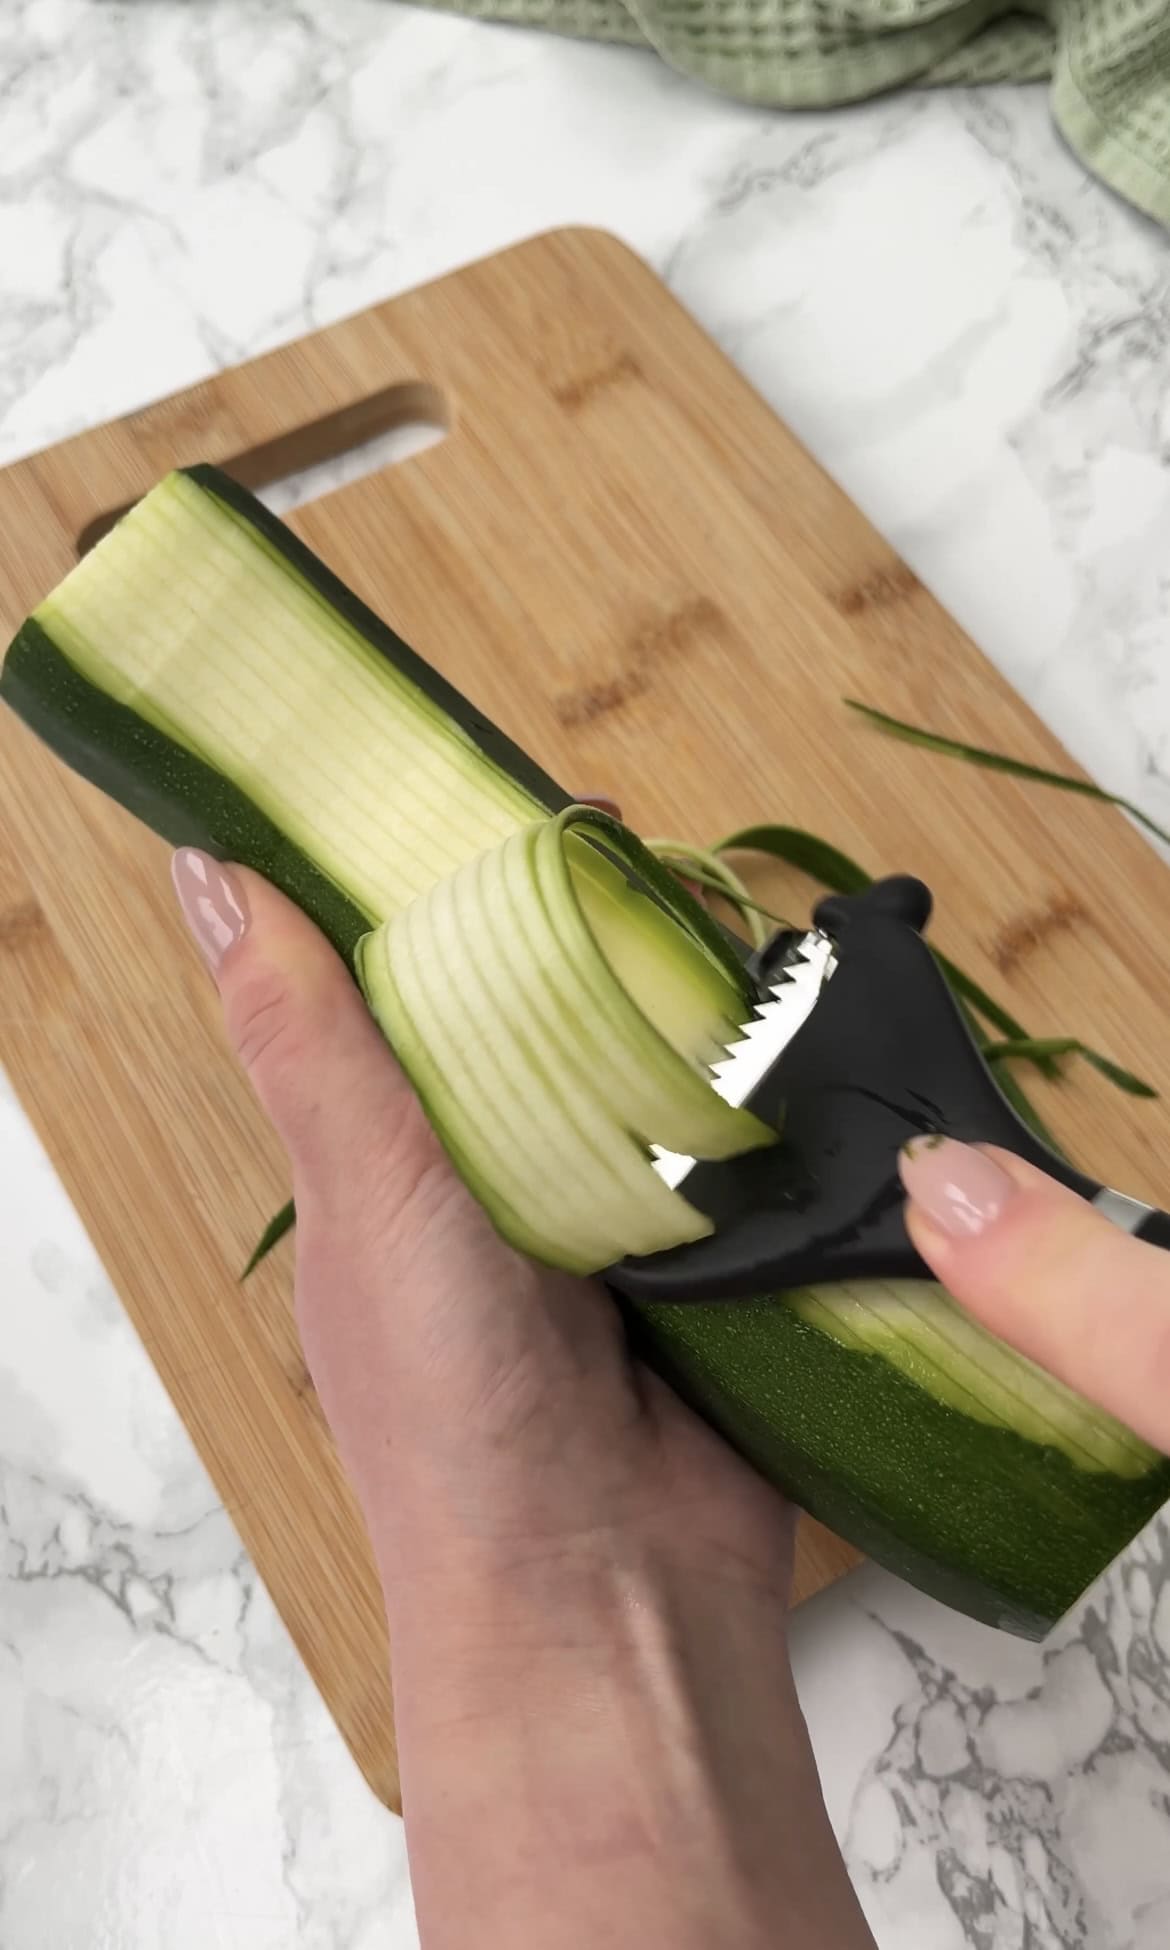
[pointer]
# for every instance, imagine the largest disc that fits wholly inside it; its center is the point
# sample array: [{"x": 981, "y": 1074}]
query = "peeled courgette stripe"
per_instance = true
[
  {"x": 437, "y": 797},
  {"x": 970, "y": 1356}
]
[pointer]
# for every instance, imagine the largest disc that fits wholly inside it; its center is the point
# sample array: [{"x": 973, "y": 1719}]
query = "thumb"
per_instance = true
[
  {"x": 413, "y": 1312},
  {"x": 317, "y": 1061},
  {"x": 1043, "y": 1270}
]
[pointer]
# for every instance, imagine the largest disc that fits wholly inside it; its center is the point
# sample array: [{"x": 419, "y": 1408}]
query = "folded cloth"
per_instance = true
[{"x": 1109, "y": 59}]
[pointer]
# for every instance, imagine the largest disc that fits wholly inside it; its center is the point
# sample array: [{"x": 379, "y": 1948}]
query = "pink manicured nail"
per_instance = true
[
  {"x": 212, "y": 901},
  {"x": 957, "y": 1188}
]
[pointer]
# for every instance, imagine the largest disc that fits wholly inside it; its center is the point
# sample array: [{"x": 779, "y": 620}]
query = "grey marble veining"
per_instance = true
[
  {"x": 973, "y": 337},
  {"x": 1011, "y": 1797}
]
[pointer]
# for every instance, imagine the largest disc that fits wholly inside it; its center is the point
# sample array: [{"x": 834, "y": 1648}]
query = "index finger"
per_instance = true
[{"x": 1046, "y": 1272}]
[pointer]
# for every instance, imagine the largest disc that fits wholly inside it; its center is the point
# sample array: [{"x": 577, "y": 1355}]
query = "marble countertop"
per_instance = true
[{"x": 974, "y": 338}]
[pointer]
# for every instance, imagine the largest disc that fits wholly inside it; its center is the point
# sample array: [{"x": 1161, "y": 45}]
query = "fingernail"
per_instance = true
[
  {"x": 957, "y": 1188},
  {"x": 603, "y": 804},
  {"x": 212, "y": 901}
]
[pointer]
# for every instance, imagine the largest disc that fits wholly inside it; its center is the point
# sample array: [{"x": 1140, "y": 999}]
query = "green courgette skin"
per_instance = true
[
  {"x": 1003, "y": 1528},
  {"x": 160, "y": 782}
]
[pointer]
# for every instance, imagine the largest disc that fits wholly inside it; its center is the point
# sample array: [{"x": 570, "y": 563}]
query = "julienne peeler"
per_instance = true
[{"x": 857, "y": 1045}]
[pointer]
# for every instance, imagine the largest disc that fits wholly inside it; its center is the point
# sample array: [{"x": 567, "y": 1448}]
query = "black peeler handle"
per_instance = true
[{"x": 885, "y": 1055}]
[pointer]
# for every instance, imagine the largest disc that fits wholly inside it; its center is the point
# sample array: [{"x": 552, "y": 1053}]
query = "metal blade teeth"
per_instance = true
[
  {"x": 790, "y": 1001},
  {"x": 756, "y": 1036}
]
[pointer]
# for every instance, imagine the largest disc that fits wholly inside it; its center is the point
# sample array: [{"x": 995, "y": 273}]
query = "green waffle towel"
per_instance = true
[{"x": 1109, "y": 59}]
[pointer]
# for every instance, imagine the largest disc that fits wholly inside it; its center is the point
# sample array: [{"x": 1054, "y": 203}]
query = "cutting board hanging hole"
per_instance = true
[
  {"x": 424, "y": 423},
  {"x": 383, "y": 430}
]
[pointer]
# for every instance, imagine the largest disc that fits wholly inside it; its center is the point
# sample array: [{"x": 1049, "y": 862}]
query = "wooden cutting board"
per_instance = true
[{"x": 629, "y": 562}]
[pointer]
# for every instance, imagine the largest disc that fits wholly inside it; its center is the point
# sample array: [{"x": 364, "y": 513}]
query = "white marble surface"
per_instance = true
[{"x": 974, "y": 337}]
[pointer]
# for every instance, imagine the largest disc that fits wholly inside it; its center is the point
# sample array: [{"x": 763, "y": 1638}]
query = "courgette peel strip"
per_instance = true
[
  {"x": 546, "y": 1074},
  {"x": 206, "y": 670}
]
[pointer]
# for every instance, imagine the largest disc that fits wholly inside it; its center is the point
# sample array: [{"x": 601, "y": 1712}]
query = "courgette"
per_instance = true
[{"x": 558, "y": 1007}]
